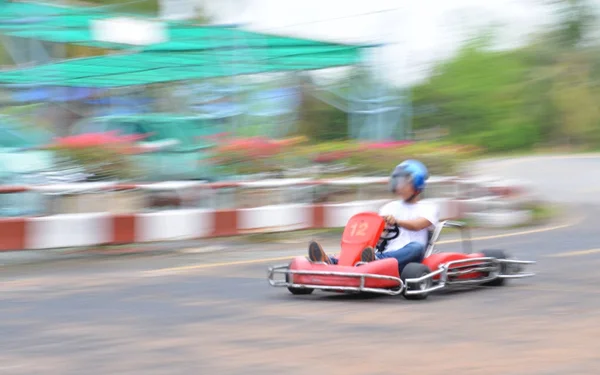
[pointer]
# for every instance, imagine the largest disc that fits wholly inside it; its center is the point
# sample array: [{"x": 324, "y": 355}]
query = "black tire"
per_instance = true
[
  {"x": 298, "y": 291},
  {"x": 498, "y": 254},
  {"x": 414, "y": 271}
]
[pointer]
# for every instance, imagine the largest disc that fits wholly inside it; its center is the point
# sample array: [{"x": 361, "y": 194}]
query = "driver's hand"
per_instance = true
[{"x": 390, "y": 220}]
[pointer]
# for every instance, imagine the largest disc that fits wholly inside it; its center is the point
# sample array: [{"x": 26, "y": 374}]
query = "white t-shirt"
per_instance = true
[{"x": 409, "y": 211}]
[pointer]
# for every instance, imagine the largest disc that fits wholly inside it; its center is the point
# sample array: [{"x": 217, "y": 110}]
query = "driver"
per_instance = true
[{"x": 412, "y": 217}]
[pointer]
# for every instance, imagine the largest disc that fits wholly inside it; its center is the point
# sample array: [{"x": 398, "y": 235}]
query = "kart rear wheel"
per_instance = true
[
  {"x": 414, "y": 271},
  {"x": 498, "y": 254},
  {"x": 298, "y": 291}
]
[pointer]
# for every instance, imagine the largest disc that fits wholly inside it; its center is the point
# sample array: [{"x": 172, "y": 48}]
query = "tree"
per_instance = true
[
  {"x": 566, "y": 69},
  {"x": 145, "y": 7},
  {"x": 576, "y": 20},
  {"x": 575, "y": 101},
  {"x": 545, "y": 91},
  {"x": 480, "y": 96}
]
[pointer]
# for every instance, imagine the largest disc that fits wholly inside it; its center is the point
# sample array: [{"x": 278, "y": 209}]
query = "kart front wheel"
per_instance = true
[
  {"x": 415, "y": 271},
  {"x": 498, "y": 254},
  {"x": 298, "y": 291}
]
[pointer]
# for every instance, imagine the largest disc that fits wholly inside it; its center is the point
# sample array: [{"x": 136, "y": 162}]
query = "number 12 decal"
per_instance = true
[{"x": 359, "y": 229}]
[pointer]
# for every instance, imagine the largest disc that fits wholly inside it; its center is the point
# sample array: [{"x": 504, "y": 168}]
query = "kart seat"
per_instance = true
[
  {"x": 429, "y": 236},
  {"x": 362, "y": 230}
]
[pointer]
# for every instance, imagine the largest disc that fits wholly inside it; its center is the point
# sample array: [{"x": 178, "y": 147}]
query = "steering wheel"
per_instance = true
[{"x": 392, "y": 232}]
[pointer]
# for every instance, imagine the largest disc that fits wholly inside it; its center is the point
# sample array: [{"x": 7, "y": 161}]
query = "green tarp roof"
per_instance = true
[
  {"x": 180, "y": 39},
  {"x": 192, "y": 52},
  {"x": 156, "y": 67},
  {"x": 72, "y": 25}
]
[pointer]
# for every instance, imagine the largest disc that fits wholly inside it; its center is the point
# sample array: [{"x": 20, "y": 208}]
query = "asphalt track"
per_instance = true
[{"x": 214, "y": 313}]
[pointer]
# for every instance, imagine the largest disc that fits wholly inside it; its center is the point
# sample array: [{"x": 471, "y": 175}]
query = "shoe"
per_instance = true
[
  {"x": 367, "y": 255},
  {"x": 316, "y": 253}
]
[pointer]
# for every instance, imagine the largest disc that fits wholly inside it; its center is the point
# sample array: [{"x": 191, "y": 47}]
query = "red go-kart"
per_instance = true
[{"x": 437, "y": 270}]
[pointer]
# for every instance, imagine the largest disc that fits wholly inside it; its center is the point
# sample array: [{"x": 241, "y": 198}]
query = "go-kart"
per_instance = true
[{"x": 437, "y": 270}]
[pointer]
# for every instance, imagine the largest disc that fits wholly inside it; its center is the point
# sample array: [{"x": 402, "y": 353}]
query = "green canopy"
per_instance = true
[
  {"x": 158, "y": 67},
  {"x": 73, "y": 25},
  {"x": 192, "y": 52}
]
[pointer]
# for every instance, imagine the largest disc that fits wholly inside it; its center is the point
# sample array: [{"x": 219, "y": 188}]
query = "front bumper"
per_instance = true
[{"x": 491, "y": 266}]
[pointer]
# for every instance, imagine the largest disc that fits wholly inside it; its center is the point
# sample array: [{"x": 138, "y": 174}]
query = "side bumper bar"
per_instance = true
[{"x": 284, "y": 269}]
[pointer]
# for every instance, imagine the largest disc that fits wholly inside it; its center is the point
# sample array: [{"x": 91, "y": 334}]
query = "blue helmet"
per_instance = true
[{"x": 414, "y": 170}]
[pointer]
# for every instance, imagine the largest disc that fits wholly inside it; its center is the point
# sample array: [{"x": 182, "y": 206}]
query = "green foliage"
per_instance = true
[
  {"x": 440, "y": 158},
  {"x": 103, "y": 163},
  {"x": 143, "y": 7},
  {"x": 543, "y": 93},
  {"x": 148, "y": 7},
  {"x": 480, "y": 96},
  {"x": 322, "y": 122},
  {"x": 576, "y": 19},
  {"x": 365, "y": 159}
]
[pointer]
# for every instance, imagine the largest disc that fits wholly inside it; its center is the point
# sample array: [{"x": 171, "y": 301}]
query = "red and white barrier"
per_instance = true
[
  {"x": 90, "y": 229},
  {"x": 77, "y": 230}
]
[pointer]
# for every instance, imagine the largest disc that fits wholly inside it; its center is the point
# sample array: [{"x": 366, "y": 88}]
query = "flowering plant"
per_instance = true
[
  {"x": 253, "y": 154},
  {"x": 102, "y": 155}
]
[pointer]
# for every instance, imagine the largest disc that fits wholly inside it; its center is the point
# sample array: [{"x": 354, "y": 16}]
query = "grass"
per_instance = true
[
  {"x": 532, "y": 152},
  {"x": 542, "y": 213}
]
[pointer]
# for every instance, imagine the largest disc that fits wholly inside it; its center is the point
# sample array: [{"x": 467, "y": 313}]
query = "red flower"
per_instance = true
[
  {"x": 253, "y": 147},
  {"x": 109, "y": 139}
]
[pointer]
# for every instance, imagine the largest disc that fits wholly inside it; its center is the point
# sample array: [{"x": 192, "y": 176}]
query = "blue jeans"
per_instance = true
[{"x": 411, "y": 252}]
